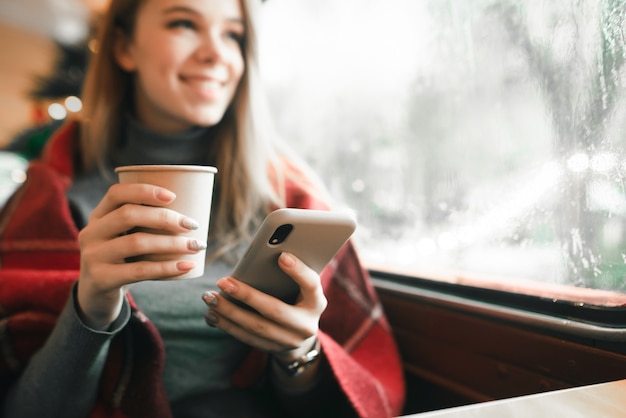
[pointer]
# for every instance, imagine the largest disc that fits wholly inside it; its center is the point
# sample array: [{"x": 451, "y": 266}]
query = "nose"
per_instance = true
[{"x": 211, "y": 48}]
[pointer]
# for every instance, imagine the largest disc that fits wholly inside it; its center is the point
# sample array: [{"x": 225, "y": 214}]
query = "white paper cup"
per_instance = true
[{"x": 193, "y": 186}]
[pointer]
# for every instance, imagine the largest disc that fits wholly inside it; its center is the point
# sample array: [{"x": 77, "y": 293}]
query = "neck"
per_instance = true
[{"x": 142, "y": 146}]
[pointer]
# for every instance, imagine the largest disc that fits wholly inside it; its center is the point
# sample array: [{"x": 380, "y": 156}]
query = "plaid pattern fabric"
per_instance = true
[{"x": 39, "y": 262}]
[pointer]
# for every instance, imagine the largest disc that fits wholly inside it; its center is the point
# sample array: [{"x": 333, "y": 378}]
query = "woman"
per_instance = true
[{"x": 86, "y": 332}]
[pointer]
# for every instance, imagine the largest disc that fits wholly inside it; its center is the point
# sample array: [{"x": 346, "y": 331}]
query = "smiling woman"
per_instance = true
[
  {"x": 175, "y": 82},
  {"x": 480, "y": 144}
]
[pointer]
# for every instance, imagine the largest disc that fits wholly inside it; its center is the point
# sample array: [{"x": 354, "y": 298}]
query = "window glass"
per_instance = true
[
  {"x": 12, "y": 174},
  {"x": 477, "y": 136}
]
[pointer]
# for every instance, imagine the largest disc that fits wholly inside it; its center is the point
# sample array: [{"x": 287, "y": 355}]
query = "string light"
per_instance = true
[
  {"x": 58, "y": 111},
  {"x": 73, "y": 104}
]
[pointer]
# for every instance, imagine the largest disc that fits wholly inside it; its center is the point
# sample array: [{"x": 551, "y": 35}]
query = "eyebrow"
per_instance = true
[{"x": 185, "y": 9}]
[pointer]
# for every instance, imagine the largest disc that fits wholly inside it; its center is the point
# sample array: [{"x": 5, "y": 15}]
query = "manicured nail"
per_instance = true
[
  {"x": 288, "y": 259},
  {"x": 189, "y": 223},
  {"x": 209, "y": 298},
  {"x": 185, "y": 265},
  {"x": 195, "y": 245},
  {"x": 164, "y": 195},
  {"x": 210, "y": 318},
  {"x": 227, "y": 285}
]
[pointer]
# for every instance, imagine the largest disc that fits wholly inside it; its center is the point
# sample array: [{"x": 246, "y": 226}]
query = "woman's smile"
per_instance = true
[{"x": 206, "y": 87}]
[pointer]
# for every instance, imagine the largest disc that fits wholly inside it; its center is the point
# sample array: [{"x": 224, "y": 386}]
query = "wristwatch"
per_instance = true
[{"x": 298, "y": 366}]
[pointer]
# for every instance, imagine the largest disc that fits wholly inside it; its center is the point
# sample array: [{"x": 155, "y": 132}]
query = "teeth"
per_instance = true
[{"x": 206, "y": 84}]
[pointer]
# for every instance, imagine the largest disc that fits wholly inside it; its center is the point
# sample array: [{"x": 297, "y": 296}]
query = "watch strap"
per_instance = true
[{"x": 298, "y": 366}]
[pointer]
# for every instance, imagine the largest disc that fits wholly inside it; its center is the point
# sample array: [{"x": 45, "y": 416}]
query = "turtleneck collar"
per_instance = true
[
  {"x": 143, "y": 146},
  {"x": 138, "y": 146}
]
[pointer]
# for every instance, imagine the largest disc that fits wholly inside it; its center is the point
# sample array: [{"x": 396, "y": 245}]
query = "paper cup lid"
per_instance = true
[{"x": 165, "y": 167}]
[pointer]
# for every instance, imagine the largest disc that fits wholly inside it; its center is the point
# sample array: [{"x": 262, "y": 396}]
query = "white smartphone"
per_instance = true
[{"x": 314, "y": 236}]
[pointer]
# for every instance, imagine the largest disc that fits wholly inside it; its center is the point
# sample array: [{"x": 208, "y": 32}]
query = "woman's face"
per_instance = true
[{"x": 187, "y": 59}]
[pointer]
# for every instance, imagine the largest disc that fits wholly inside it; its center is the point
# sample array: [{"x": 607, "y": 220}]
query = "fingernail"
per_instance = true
[
  {"x": 164, "y": 195},
  {"x": 227, "y": 285},
  {"x": 288, "y": 259},
  {"x": 189, "y": 223},
  {"x": 209, "y": 298},
  {"x": 210, "y": 318},
  {"x": 185, "y": 265},
  {"x": 195, "y": 245}
]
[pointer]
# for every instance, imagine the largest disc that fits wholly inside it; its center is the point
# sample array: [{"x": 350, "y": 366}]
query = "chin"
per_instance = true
[{"x": 208, "y": 118}]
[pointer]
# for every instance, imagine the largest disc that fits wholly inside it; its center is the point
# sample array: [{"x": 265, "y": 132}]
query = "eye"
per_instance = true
[
  {"x": 181, "y": 23},
  {"x": 238, "y": 37}
]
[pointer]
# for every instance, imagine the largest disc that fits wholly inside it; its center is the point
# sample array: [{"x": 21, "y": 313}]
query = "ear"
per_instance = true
[{"x": 122, "y": 51}]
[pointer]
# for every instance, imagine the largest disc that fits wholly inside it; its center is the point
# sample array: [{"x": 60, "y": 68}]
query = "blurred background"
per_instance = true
[{"x": 30, "y": 34}]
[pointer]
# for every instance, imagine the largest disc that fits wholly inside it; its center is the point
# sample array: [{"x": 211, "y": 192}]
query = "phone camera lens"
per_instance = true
[{"x": 280, "y": 234}]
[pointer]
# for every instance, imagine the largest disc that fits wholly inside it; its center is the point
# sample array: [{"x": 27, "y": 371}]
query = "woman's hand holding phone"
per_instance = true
[
  {"x": 274, "y": 299},
  {"x": 285, "y": 330}
]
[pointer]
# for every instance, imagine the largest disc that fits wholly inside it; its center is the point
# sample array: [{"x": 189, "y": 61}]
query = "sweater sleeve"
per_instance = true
[{"x": 62, "y": 377}]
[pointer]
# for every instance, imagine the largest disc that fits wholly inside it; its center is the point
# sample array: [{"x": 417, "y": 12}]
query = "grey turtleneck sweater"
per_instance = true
[{"x": 62, "y": 378}]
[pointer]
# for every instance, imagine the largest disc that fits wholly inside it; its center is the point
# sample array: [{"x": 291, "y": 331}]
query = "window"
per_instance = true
[
  {"x": 12, "y": 174},
  {"x": 478, "y": 140}
]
